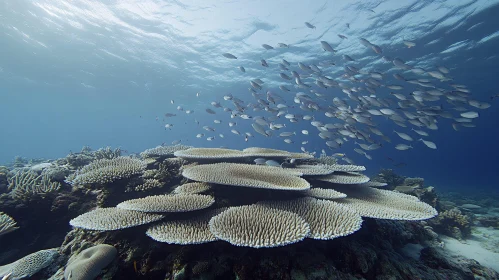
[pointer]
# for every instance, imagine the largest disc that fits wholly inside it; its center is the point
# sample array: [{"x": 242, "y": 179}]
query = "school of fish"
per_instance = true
[{"x": 347, "y": 107}]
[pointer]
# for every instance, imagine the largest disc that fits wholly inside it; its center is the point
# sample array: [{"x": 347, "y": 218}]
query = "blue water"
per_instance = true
[{"x": 83, "y": 73}]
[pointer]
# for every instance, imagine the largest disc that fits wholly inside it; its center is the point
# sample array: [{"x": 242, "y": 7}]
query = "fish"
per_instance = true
[
  {"x": 325, "y": 45},
  {"x": 168, "y": 125},
  {"x": 404, "y": 136},
  {"x": 420, "y": 132},
  {"x": 287, "y": 140},
  {"x": 217, "y": 121},
  {"x": 305, "y": 132},
  {"x": 231, "y": 124},
  {"x": 168, "y": 115},
  {"x": 210, "y": 138},
  {"x": 428, "y": 144},
  {"x": 267, "y": 47},
  {"x": 221, "y": 135},
  {"x": 172, "y": 101},
  {"x": 272, "y": 162},
  {"x": 286, "y": 134},
  {"x": 342, "y": 36},
  {"x": 189, "y": 111},
  {"x": 470, "y": 115},
  {"x": 402, "y": 147},
  {"x": 282, "y": 45},
  {"x": 478, "y": 104},
  {"x": 258, "y": 128},
  {"x": 229, "y": 55},
  {"x": 309, "y": 25},
  {"x": 210, "y": 111},
  {"x": 260, "y": 161},
  {"x": 409, "y": 44},
  {"x": 235, "y": 132},
  {"x": 199, "y": 135},
  {"x": 264, "y": 63},
  {"x": 242, "y": 69}
]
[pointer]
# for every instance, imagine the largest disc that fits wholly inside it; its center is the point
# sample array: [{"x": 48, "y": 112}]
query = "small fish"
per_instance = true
[
  {"x": 304, "y": 132},
  {"x": 429, "y": 144},
  {"x": 304, "y": 142},
  {"x": 264, "y": 63},
  {"x": 242, "y": 69},
  {"x": 409, "y": 44},
  {"x": 217, "y": 121},
  {"x": 287, "y": 140},
  {"x": 229, "y": 55},
  {"x": 168, "y": 125},
  {"x": 210, "y": 138},
  {"x": 235, "y": 132},
  {"x": 189, "y": 111},
  {"x": 470, "y": 115},
  {"x": 338, "y": 155},
  {"x": 221, "y": 135},
  {"x": 199, "y": 135},
  {"x": 210, "y": 111},
  {"x": 172, "y": 101},
  {"x": 286, "y": 134},
  {"x": 260, "y": 161},
  {"x": 272, "y": 163},
  {"x": 282, "y": 45},
  {"x": 231, "y": 124},
  {"x": 342, "y": 36},
  {"x": 327, "y": 47},
  {"x": 267, "y": 47},
  {"x": 167, "y": 115},
  {"x": 309, "y": 25},
  {"x": 402, "y": 147},
  {"x": 420, "y": 132},
  {"x": 403, "y": 136}
]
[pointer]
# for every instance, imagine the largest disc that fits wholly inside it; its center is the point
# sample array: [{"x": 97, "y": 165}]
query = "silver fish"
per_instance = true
[
  {"x": 470, "y": 115},
  {"x": 403, "y": 136},
  {"x": 429, "y": 144},
  {"x": 403, "y": 147},
  {"x": 309, "y": 25},
  {"x": 229, "y": 55}
]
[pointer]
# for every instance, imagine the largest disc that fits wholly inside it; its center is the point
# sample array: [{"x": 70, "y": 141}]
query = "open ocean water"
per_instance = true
[{"x": 351, "y": 79}]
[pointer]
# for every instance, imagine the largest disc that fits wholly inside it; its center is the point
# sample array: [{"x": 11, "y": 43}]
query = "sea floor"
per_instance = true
[{"x": 482, "y": 246}]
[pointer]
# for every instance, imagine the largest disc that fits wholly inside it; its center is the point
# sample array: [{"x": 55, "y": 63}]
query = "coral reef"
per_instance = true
[
  {"x": 255, "y": 217},
  {"x": 414, "y": 182},
  {"x": 7, "y": 224},
  {"x": 452, "y": 223},
  {"x": 389, "y": 177},
  {"x": 26, "y": 185}
]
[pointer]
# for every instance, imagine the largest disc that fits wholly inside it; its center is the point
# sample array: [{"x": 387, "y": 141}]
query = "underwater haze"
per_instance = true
[{"x": 105, "y": 73}]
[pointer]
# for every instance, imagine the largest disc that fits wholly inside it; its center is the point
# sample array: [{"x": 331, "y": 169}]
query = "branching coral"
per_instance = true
[
  {"x": 105, "y": 171},
  {"x": 7, "y": 224},
  {"x": 26, "y": 185}
]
